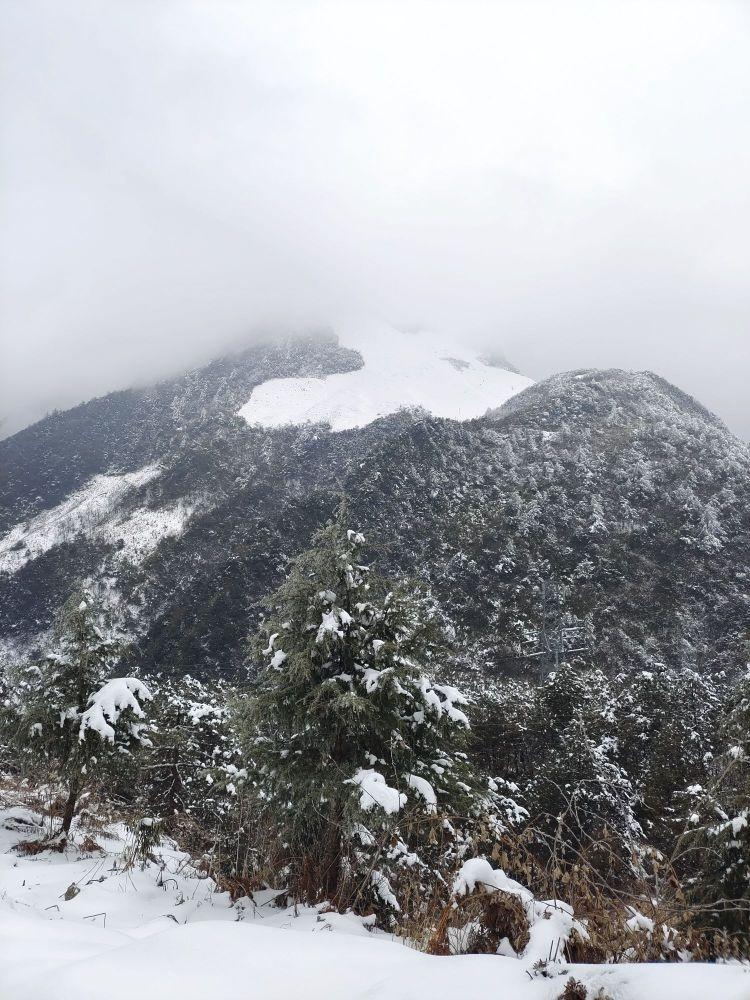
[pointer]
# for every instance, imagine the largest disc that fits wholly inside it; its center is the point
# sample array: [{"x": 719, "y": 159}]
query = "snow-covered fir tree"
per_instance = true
[
  {"x": 667, "y": 720},
  {"x": 191, "y": 764},
  {"x": 583, "y": 798},
  {"x": 70, "y": 717},
  {"x": 714, "y": 850},
  {"x": 586, "y": 802},
  {"x": 356, "y": 750}
]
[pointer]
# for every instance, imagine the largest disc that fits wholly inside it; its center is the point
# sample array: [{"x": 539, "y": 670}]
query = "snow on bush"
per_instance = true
[
  {"x": 639, "y": 922},
  {"x": 383, "y": 888},
  {"x": 425, "y": 789},
  {"x": 551, "y": 922},
  {"x": 375, "y": 791}
]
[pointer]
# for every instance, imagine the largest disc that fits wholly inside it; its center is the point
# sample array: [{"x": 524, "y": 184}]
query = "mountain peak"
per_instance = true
[{"x": 581, "y": 394}]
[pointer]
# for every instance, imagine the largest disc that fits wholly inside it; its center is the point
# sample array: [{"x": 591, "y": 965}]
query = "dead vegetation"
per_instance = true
[
  {"x": 574, "y": 990},
  {"x": 479, "y": 924},
  {"x": 30, "y": 848}
]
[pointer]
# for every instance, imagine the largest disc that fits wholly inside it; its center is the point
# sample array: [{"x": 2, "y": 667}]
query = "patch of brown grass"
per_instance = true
[
  {"x": 30, "y": 848},
  {"x": 574, "y": 990},
  {"x": 487, "y": 918},
  {"x": 89, "y": 846}
]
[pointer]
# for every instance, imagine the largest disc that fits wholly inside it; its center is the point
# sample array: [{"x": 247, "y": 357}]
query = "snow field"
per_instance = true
[
  {"x": 401, "y": 370},
  {"x": 92, "y": 512},
  {"x": 165, "y": 933}
]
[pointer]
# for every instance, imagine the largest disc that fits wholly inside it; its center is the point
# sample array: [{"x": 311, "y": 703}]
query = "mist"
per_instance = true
[{"x": 566, "y": 183}]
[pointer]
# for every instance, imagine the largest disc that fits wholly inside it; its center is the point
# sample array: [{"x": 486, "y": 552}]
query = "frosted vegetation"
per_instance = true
[{"x": 344, "y": 786}]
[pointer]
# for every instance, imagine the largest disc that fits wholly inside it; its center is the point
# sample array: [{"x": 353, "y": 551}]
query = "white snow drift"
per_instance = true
[
  {"x": 93, "y": 511},
  {"x": 84, "y": 926},
  {"x": 401, "y": 370}
]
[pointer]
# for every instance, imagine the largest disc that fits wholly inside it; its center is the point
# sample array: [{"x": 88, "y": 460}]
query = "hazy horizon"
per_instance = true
[{"x": 567, "y": 184}]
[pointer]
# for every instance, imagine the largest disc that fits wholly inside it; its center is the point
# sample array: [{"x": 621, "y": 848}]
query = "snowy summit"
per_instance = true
[{"x": 399, "y": 371}]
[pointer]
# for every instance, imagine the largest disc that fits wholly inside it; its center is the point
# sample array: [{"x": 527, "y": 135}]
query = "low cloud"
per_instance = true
[{"x": 569, "y": 184}]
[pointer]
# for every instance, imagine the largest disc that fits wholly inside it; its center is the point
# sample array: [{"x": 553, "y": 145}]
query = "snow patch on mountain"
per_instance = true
[
  {"x": 140, "y": 531},
  {"x": 93, "y": 511},
  {"x": 400, "y": 371}
]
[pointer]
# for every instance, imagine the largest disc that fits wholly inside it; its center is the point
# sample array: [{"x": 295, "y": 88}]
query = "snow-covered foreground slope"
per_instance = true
[
  {"x": 207, "y": 960},
  {"x": 163, "y": 933},
  {"x": 400, "y": 370}
]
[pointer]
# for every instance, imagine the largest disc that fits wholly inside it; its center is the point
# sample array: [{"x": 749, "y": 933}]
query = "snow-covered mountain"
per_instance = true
[{"x": 184, "y": 502}]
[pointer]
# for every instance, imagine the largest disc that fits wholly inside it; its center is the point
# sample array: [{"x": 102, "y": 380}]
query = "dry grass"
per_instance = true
[
  {"x": 89, "y": 846},
  {"x": 30, "y": 848},
  {"x": 479, "y": 923},
  {"x": 574, "y": 990},
  {"x": 601, "y": 886}
]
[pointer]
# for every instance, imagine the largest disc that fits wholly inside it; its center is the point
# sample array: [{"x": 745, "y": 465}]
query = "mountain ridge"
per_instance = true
[{"x": 614, "y": 489}]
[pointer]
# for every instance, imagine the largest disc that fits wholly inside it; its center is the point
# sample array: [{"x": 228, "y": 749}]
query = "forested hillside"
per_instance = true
[{"x": 602, "y": 511}]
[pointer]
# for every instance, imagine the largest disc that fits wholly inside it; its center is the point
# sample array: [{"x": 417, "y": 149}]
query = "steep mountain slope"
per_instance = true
[
  {"x": 613, "y": 493},
  {"x": 602, "y": 510},
  {"x": 124, "y": 431}
]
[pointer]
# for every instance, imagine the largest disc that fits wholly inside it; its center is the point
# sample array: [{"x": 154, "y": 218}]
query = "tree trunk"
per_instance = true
[
  {"x": 174, "y": 793},
  {"x": 70, "y": 804},
  {"x": 330, "y": 871}
]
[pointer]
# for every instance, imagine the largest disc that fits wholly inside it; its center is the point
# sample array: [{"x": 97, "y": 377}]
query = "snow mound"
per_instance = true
[
  {"x": 400, "y": 371},
  {"x": 551, "y": 922},
  {"x": 92, "y": 511}
]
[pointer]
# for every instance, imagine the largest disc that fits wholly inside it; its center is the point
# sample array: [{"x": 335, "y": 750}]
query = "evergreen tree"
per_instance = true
[
  {"x": 667, "y": 721},
  {"x": 587, "y": 803},
  {"x": 714, "y": 850},
  {"x": 584, "y": 799},
  {"x": 70, "y": 717},
  {"x": 191, "y": 761},
  {"x": 355, "y": 749}
]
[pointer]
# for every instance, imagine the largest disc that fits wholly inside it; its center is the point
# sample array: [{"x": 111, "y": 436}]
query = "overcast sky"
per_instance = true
[{"x": 569, "y": 182}]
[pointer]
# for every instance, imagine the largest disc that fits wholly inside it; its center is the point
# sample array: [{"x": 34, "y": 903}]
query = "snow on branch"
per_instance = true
[
  {"x": 109, "y": 702},
  {"x": 375, "y": 791},
  {"x": 425, "y": 789}
]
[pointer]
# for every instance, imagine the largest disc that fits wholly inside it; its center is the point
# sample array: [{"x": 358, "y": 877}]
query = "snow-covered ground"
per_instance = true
[
  {"x": 93, "y": 511},
  {"x": 81, "y": 926},
  {"x": 401, "y": 370}
]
